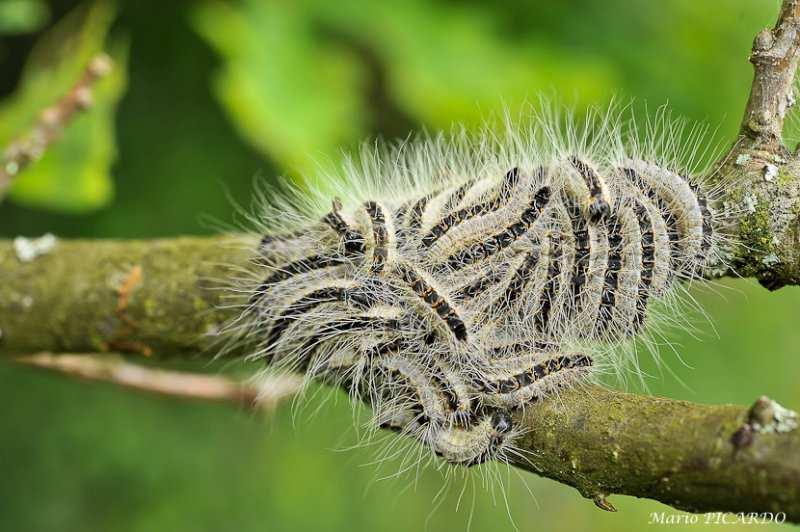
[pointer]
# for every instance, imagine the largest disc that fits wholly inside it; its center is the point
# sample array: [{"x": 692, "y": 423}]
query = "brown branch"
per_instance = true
[
  {"x": 690, "y": 456},
  {"x": 599, "y": 441},
  {"x": 266, "y": 394},
  {"x": 693, "y": 457},
  {"x": 760, "y": 176},
  {"x": 51, "y": 123},
  {"x": 774, "y": 56}
]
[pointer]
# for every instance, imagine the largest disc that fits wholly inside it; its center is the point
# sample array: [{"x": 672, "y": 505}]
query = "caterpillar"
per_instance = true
[{"x": 458, "y": 280}]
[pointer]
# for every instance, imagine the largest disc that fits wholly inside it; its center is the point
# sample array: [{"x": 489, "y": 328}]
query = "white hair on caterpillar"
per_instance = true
[{"x": 451, "y": 280}]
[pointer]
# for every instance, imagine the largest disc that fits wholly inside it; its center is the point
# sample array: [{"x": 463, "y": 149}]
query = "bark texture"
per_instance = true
[{"x": 157, "y": 298}]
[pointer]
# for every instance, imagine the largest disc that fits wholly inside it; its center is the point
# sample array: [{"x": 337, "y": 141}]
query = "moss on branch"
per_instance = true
[
  {"x": 152, "y": 297},
  {"x": 760, "y": 174},
  {"x": 680, "y": 453},
  {"x": 159, "y": 296}
]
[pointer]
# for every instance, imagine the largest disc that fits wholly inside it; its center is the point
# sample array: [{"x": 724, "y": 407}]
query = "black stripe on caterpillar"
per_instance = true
[
  {"x": 352, "y": 239},
  {"x": 336, "y": 330},
  {"x": 648, "y": 263},
  {"x": 427, "y": 293},
  {"x": 454, "y": 218},
  {"x": 599, "y": 206},
  {"x": 380, "y": 251},
  {"x": 287, "y": 271},
  {"x": 582, "y": 251},
  {"x": 611, "y": 277},
  {"x": 550, "y": 292},
  {"x": 676, "y": 250},
  {"x": 499, "y": 241},
  {"x": 357, "y": 297},
  {"x": 512, "y": 383}
]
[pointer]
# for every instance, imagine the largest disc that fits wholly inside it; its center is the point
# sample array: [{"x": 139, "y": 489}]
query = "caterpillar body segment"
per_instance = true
[
  {"x": 462, "y": 293},
  {"x": 428, "y": 403},
  {"x": 523, "y": 280},
  {"x": 427, "y": 293},
  {"x": 459, "y": 395},
  {"x": 454, "y": 199},
  {"x": 549, "y": 298},
  {"x": 684, "y": 209},
  {"x": 335, "y": 292},
  {"x": 521, "y": 206},
  {"x": 708, "y": 223},
  {"x": 329, "y": 337},
  {"x": 294, "y": 269},
  {"x": 477, "y": 444},
  {"x": 518, "y": 381},
  {"x": 485, "y": 249},
  {"x": 381, "y": 229},
  {"x": 624, "y": 274},
  {"x": 477, "y": 285},
  {"x": 611, "y": 276},
  {"x": 500, "y": 194},
  {"x": 431, "y": 404},
  {"x": 590, "y": 256},
  {"x": 352, "y": 240},
  {"x": 581, "y": 253},
  {"x": 647, "y": 273},
  {"x": 597, "y": 204},
  {"x": 506, "y": 305},
  {"x": 600, "y": 256}
]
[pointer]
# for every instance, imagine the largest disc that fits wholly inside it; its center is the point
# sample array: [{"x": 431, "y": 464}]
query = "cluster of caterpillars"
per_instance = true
[{"x": 449, "y": 311}]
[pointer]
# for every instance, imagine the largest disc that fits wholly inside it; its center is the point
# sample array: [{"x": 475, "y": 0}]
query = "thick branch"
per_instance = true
[
  {"x": 158, "y": 297},
  {"x": 147, "y": 297},
  {"x": 774, "y": 57},
  {"x": 682, "y": 454},
  {"x": 760, "y": 176}
]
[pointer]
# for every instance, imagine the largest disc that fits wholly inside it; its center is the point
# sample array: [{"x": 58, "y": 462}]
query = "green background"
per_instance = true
[{"x": 214, "y": 96}]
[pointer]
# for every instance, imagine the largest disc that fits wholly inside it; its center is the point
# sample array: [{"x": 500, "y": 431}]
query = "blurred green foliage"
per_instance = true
[
  {"x": 22, "y": 16},
  {"x": 351, "y": 56},
  {"x": 218, "y": 92},
  {"x": 75, "y": 173}
]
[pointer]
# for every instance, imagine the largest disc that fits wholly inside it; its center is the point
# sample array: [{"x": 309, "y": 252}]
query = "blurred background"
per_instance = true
[{"x": 207, "y": 97}]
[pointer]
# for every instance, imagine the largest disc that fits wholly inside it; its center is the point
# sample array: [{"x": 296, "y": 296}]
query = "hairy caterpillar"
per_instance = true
[{"x": 459, "y": 280}]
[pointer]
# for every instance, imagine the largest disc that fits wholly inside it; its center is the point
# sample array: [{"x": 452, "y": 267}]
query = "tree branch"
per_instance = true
[
  {"x": 760, "y": 175},
  {"x": 774, "y": 56},
  {"x": 70, "y": 299},
  {"x": 699, "y": 458},
  {"x": 265, "y": 394},
  {"x": 158, "y": 295},
  {"x": 51, "y": 123}
]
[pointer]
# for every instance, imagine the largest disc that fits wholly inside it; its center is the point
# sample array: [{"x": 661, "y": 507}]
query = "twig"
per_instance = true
[
  {"x": 52, "y": 121},
  {"x": 266, "y": 394}
]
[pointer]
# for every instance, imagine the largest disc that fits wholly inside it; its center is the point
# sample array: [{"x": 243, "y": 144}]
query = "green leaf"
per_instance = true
[
  {"x": 74, "y": 174},
  {"x": 289, "y": 96},
  {"x": 299, "y": 79},
  {"x": 22, "y": 16}
]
